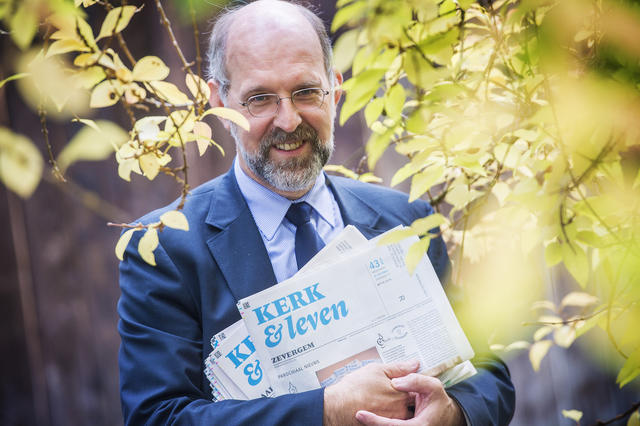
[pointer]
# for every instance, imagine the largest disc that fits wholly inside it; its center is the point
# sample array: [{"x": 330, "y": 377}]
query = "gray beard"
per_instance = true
[{"x": 294, "y": 174}]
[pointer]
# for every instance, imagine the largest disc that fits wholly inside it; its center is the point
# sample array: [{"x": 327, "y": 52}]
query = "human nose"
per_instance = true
[{"x": 287, "y": 117}]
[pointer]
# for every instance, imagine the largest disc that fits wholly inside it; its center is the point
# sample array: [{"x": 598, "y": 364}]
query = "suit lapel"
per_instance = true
[
  {"x": 356, "y": 211},
  {"x": 238, "y": 248}
]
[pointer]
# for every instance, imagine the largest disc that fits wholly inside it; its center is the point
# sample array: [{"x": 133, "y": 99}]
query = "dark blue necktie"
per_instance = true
[{"x": 308, "y": 242}]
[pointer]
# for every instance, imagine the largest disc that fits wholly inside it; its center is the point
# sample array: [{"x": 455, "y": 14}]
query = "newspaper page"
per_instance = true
[
  {"x": 233, "y": 368},
  {"x": 317, "y": 326}
]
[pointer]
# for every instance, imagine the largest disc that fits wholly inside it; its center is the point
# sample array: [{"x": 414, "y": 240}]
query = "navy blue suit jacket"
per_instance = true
[{"x": 168, "y": 313}]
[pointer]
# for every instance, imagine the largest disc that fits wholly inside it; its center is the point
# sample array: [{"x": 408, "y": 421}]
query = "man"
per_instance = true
[{"x": 271, "y": 61}]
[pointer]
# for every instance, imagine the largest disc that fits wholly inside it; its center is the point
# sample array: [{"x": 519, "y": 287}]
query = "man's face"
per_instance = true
[{"x": 288, "y": 150}]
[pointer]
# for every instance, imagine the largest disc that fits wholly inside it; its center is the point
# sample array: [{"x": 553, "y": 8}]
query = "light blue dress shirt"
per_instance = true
[{"x": 268, "y": 210}]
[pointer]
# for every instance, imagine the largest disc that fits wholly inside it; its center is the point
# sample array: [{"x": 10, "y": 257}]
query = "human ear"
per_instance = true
[
  {"x": 215, "y": 100},
  {"x": 337, "y": 83}
]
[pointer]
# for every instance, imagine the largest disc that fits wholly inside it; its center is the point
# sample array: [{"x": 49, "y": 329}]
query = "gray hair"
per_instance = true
[{"x": 217, "y": 51}]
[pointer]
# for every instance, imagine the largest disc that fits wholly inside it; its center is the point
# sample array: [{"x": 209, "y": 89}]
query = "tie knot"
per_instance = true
[{"x": 299, "y": 213}]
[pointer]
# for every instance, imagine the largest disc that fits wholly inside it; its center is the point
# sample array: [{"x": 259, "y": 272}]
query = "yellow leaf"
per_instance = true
[
  {"x": 520, "y": 344},
  {"x": 89, "y": 77},
  {"x": 24, "y": 25},
  {"x": 416, "y": 252},
  {"x": 229, "y": 114},
  {"x": 149, "y": 165},
  {"x": 426, "y": 224},
  {"x": 203, "y": 135},
  {"x": 150, "y": 68},
  {"x": 93, "y": 143},
  {"x": 634, "y": 419},
  {"x": 116, "y": 20},
  {"x": 543, "y": 304},
  {"x": 537, "y": 353},
  {"x": 64, "y": 46},
  {"x": 573, "y": 415},
  {"x": 175, "y": 219},
  {"x": 123, "y": 242},
  {"x": 198, "y": 87},
  {"x": 342, "y": 170},
  {"x": 564, "y": 336},
  {"x": 396, "y": 235},
  {"x": 394, "y": 101},
  {"x": 168, "y": 92},
  {"x": 106, "y": 94},
  {"x": 87, "y": 122},
  {"x": 577, "y": 298},
  {"x": 20, "y": 163},
  {"x": 147, "y": 245},
  {"x": 369, "y": 177},
  {"x": 542, "y": 332},
  {"x": 86, "y": 33}
]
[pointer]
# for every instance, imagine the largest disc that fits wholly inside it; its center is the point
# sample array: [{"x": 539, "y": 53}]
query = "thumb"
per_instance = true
[
  {"x": 417, "y": 383},
  {"x": 399, "y": 369}
]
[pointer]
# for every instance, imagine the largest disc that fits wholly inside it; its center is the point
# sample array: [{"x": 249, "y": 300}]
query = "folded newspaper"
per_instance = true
[{"x": 353, "y": 304}]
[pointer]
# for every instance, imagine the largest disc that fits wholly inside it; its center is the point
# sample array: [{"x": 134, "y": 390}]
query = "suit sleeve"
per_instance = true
[
  {"x": 487, "y": 398},
  {"x": 161, "y": 362}
]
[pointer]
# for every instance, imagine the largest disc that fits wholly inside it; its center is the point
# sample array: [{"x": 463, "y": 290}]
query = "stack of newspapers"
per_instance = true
[{"x": 353, "y": 304}]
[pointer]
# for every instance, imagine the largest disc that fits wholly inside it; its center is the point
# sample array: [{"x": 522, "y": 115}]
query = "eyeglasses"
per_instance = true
[{"x": 266, "y": 105}]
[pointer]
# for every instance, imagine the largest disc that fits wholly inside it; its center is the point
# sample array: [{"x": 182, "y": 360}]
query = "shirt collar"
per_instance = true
[{"x": 268, "y": 208}]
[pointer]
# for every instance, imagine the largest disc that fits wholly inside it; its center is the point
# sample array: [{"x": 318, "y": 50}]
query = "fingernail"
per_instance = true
[{"x": 399, "y": 381}]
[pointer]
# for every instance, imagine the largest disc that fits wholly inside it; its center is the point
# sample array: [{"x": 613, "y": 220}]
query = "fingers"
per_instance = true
[
  {"x": 370, "y": 419},
  {"x": 399, "y": 369},
  {"x": 417, "y": 383}
]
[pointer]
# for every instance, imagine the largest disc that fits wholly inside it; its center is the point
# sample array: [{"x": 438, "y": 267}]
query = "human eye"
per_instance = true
[
  {"x": 260, "y": 100},
  {"x": 311, "y": 93}
]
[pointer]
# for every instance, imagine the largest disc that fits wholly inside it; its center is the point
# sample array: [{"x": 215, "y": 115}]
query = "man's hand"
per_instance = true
[
  {"x": 368, "y": 388},
  {"x": 432, "y": 404}
]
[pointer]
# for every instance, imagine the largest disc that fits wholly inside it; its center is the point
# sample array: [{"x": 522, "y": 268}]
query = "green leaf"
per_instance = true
[
  {"x": 147, "y": 244},
  {"x": 634, "y": 419},
  {"x": 424, "y": 180},
  {"x": 116, "y": 20},
  {"x": 359, "y": 90},
  {"x": 419, "y": 120},
  {"x": 229, "y": 114},
  {"x": 175, "y": 219},
  {"x": 537, "y": 353},
  {"x": 439, "y": 47},
  {"x": 416, "y": 252},
  {"x": 349, "y": 13},
  {"x": 149, "y": 68},
  {"x": 376, "y": 145},
  {"x": 24, "y": 25},
  {"x": 573, "y": 415},
  {"x": 95, "y": 142},
  {"x": 14, "y": 77},
  {"x": 576, "y": 262},
  {"x": 20, "y": 163},
  {"x": 426, "y": 224},
  {"x": 345, "y": 50},
  {"x": 630, "y": 369},
  {"x": 123, "y": 242},
  {"x": 394, "y": 101},
  {"x": 373, "y": 110},
  {"x": 553, "y": 253}
]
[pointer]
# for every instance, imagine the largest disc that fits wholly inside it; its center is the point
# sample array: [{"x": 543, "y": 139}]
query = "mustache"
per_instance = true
[{"x": 303, "y": 132}]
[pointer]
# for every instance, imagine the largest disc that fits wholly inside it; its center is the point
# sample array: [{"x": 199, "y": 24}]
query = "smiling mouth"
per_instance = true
[{"x": 289, "y": 146}]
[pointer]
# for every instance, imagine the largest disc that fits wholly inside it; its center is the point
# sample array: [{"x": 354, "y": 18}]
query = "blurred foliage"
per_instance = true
[
  {"x": 520, "y": 122},
  {"x": 67, "y": 69}
]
